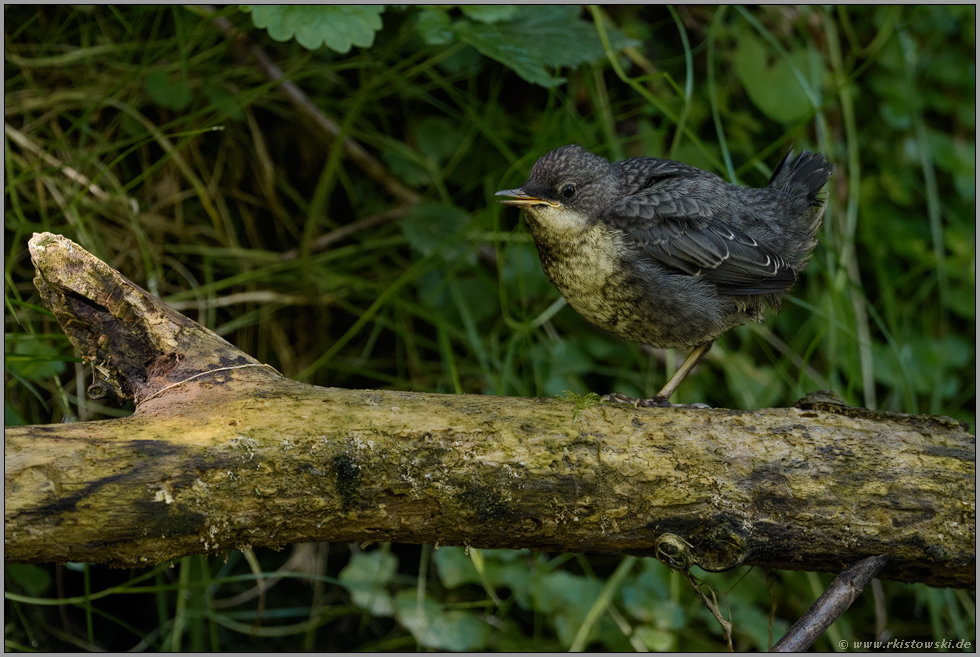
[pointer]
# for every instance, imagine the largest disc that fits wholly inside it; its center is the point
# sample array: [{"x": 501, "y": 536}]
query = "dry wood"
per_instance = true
[
  {"x": 224, "y": 453},
  {"x": 838, "y": 597}
]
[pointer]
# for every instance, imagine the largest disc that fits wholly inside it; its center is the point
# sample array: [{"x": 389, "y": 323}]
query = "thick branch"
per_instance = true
[{"x": 244, "y": 457}]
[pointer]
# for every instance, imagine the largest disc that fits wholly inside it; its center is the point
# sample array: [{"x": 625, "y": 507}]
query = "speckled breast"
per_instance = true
[{"x": 600, "y": 277}]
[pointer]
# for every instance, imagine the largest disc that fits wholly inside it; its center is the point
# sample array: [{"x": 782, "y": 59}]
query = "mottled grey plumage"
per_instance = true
[{"x": 667, "y": 254}]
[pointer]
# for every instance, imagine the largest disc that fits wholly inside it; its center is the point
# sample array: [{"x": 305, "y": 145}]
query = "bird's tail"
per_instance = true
[
  {"x": 800, "y": 180},
  {"x": 807, "y": 173}
]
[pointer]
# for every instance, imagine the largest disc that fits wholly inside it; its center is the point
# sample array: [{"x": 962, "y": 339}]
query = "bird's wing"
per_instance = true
[{"x": 676, "y": 218}]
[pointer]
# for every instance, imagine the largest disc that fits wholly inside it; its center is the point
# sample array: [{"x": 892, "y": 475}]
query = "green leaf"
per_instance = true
[
  {"x": 429, "y": 227},
  {"x": 562, "y": 361},
  {"x": 33, "y": 579},
  {"x": 337, "y": 27},
  {"x": 919, "y": 361},
  {"x": 167, "y": 91},
  {"x": 479, "y": 293},
  {"x": 466, "y": 60},
  {"x": 957, "y": 156},
  {"x": 491, "y": 42},
  {"x": 32, "y": 358},
  {"x": 561, "y": 591},
  {"x": 366, "y": 576},
  {"x": 407, "y": 170},
  {"x": 753, "y": 623},
  {"x": 437, "y": 137},
  {"x": 538, "y": 37},
  {"x": 223, "y": 101},
  {"x": 568, "y": 599},
  {"x": 434, "y": 26},
  {"x": 11, "y": 418},
  {"x": 489, "y": 13},
  {"x": 455, "y": 568},
  {"x": 656, "y": 640},
  {"x": 772, "y": 86},
  {"x": 503, "y": 569},
  {"x": 557, "y": 36},
  {"x": 647, "y": 598},
  {"x": 434, "y": 628},
  {"x": 752, "y": 383}
]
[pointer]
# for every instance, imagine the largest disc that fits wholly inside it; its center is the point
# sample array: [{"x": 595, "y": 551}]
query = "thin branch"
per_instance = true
[
  {"x": 24, "y": 142},
  {"x": 841, "y": 593}
]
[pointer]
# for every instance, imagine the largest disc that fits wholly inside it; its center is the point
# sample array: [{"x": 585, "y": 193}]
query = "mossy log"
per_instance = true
[{"x": 224, "y": 453}]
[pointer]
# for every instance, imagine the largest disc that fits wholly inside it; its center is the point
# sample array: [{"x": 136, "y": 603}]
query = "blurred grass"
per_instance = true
[{"x": 148, "y": 137}]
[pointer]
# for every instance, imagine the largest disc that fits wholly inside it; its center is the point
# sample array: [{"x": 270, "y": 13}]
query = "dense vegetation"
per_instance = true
[{"x": 160, "y": 144}]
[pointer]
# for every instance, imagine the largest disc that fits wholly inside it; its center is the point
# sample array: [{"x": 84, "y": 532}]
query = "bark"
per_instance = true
[{"x": 223, "y": 453}]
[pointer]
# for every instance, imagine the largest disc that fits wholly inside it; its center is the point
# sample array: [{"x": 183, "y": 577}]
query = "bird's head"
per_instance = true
[{"x": 567, "y": 190}]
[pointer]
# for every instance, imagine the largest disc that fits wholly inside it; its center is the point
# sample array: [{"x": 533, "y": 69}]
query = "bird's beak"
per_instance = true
[{"x": 520, "y": 198}]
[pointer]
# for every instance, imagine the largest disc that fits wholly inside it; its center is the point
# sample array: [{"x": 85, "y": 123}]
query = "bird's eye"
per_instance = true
[{"x": 568, "y": 191}]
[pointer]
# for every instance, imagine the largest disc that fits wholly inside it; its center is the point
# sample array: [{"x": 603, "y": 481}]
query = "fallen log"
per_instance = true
[{"x": 223, "y": 453}]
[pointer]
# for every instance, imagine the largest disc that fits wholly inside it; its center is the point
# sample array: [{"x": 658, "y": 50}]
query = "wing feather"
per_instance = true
[{"x": 671, "y": 217}]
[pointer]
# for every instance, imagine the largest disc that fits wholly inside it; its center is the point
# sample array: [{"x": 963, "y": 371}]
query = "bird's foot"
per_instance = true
[{"x": 653, "y": 402}]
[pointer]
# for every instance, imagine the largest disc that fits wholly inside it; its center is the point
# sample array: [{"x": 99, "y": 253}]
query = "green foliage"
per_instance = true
[
  {"x": 337, "y": 27},
  {"x": 775, "y": 86},
  {"x": 527, "y": 39},
  {"x": 34, "y": 580},
  {"x": 33, "y": 357},
  {"x": 580, "y": 402},
  {"x": 172, "y": 93},
  {"x": 139, "y": 132},
  {"x": 366, "y": 578},
  {"x": 431, "y": 227},
  {"x": 440, "y": 629}
]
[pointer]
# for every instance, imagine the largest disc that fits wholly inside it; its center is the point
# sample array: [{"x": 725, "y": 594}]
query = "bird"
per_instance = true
[{"x": 666, "y": 254}]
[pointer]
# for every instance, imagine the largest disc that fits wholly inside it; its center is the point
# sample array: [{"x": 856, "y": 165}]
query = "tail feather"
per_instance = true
[
  {"x": 811, "y": 171},
  {"x": 802, "y": 179}
]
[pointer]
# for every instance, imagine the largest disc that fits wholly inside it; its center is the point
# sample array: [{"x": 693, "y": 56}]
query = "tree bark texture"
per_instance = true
[{"x": 223, "y": 453}]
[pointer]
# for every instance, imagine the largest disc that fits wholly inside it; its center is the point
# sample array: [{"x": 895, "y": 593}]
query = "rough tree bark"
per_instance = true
[{"x": 223, "y": 453}]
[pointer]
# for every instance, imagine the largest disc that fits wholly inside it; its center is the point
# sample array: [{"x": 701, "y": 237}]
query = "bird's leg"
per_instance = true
[
  {"x": 663, "y": 397},
  {"x": 693, "y": 359}
]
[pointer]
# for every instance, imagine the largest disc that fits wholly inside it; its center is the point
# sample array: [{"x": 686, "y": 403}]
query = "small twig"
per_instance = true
[
  {"x": 24, "y": 142},
  {"x": 772, "y": 605},
  {"x": 301, "y": 101},
  {"x": 262, "y": 297},
  {"x": 881, "y": 610},
  {"x": 841, "y": 593},
  {"x": 712, "y": 605}
]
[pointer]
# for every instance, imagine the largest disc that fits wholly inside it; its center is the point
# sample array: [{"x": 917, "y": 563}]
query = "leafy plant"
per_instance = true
[{"x": 337, "y": 27}]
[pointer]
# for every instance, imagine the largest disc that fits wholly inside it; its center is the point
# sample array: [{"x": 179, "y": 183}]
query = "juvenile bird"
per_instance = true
[{"x": 664, "y": 253}]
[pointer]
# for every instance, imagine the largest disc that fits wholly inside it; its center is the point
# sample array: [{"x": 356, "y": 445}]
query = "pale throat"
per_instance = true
[{"x": 556, "y": 221}]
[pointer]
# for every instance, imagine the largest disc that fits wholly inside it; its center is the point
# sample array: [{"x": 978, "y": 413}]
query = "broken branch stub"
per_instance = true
[
  {"x": 243, "y": 457},
  {"x": 136, "y": 343}
]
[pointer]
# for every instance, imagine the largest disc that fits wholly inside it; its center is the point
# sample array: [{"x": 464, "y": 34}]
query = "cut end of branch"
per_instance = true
[{"x": 136, "y": 343}]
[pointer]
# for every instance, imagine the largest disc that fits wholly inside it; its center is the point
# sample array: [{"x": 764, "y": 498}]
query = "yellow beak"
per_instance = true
[{"x": 520, "y": 198}]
